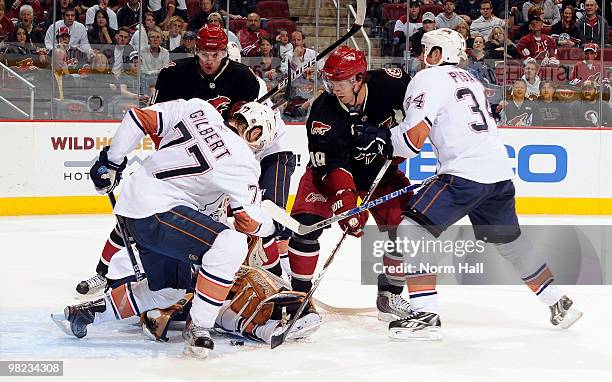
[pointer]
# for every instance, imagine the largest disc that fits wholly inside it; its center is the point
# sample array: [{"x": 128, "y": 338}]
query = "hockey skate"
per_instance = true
[
  {"x": 92, "y": 286},
  {"x": 198, "y": 342},
  {"x": 304, "y": 327},
  {"x": 76, "y": 317},
  {"x": 423, "y": 326},
  {"x": 563, "y": 314},
  {"x": 391, "y": 306}
]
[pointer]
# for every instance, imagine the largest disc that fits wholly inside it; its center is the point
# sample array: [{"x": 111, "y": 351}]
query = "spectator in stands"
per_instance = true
[
  {"x": 538, "y": 45},
  {"x": 269, "y": 60},
  {"x": 517, "y": 110},
  {"x": 524, "y": 27},
  {"x": 153, "y": 57},
  {"x": 578, "y": 6},
  {"x": 128, "y": 15},
  {"x": 448, "y": 18},
  {"x": 429, "y": 24},
  {"x": 282, "y": 45},
  {"x": 78, "y": 32},
  {"x": 199, "y": 19},
  {"x": 187, "y": 47},
  {"x": 63, "y": 64},
  {"x": 139, "y": 38},
  {"x": 586, "y": 110},
  {"x": 499, "y": 46},
  {"x": 15, "y": 52},
  {"x": 26, "y": 21},
  {"x": 172, "y": 37},
  {"x": 565, "y": 32},
  {"x": 118, "y": 57},
  {"x": 216, "y": 19},
  {"x": 181, "y": 10},
  {"x": 588, "y": 69},
  {"x": 483, "y": 25},
  {"x": 477, "y": 53},
  {"x": 6, "y": 25},
  {"x": 102, "y": 5},
  {"x": 470, "y": 8},
  {"x": 98, "y": 83},
  {"x": 100, "y": 33},
  {"x": 531, "y": 78},
  {"x": 405, "y": 28},
  {"x": 302, "y": 87},
  {"x": 464, "y": 29},
  {"x": 60, "y": 6},
  {"x": 477, "y": 65},
  {"x": 550, "y": 14},
  {"x": 547, "y": 111},
  {"x": 251, "y": 35},
  {"x": 131, "y": 85},
  {"x": 591, "y": 26},
  {"x": 514, "y": 16},
  {"x": 12, "y": 11}
]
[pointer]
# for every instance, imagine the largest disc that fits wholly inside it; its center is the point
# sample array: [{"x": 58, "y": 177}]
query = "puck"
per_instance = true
[{"x": 236, "y": 342}]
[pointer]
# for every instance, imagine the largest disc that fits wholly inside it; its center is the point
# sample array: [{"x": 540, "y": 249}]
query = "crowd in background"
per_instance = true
[{"x": 539, "y": 59}]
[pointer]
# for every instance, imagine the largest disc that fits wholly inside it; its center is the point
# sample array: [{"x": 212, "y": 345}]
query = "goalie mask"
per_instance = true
[
  {"x": 260, "y": 118},
  {"x": 449, "y": 41}
]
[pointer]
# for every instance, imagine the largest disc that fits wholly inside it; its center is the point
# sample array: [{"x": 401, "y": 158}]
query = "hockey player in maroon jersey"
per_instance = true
[{"x": 339, "y": 170}]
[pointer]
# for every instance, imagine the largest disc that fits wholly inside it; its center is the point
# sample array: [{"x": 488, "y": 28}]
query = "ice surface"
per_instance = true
[{"x": 491, "y": 333}]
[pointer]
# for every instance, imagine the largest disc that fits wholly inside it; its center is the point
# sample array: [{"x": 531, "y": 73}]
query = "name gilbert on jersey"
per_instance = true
[{"x": 208, "y": 133}]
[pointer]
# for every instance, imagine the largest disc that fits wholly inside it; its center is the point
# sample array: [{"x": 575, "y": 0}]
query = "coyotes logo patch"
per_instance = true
[
  {"x": 221, "y": 103},
  {"x": 394, "y": 72},
  {"x": 319, "y": 128}
]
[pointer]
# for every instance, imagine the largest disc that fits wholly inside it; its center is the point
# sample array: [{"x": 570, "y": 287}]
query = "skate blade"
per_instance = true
[
  {"x": 196, "y": 352},
  {"x": 62, "y": 323},
  {"x": 427, "y": 334},
  {"x": 570, "y": 318}
]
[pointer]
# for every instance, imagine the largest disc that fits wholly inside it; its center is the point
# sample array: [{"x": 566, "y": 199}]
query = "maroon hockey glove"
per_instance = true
[{"x": 341, "y": 181}]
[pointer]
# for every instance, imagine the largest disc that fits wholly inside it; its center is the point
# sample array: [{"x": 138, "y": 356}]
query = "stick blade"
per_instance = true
[
  {"x": 279, "y": 214},
  {"x": 277, "y": 340}
]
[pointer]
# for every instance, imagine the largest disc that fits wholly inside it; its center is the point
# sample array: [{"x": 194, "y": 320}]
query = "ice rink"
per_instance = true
[{"x": 491, "y": 333}]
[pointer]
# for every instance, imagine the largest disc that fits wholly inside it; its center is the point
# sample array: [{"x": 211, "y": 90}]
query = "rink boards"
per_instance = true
[{"x": 45, "y": 167}]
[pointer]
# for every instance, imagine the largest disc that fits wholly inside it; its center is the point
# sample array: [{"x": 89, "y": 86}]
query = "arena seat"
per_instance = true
[
  {"x": 270, "y": 9},
  {"x": 273, "y": 25},
  {"x": 433, "y": 8},
  {"x": 236, "y": 24},
  {"x": 193, "y": 7},
  {"x": 394, "y": 11}
]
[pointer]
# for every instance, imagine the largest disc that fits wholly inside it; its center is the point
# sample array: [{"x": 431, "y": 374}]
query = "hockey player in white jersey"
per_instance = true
[
  {"x": 166, "y": 205},
  {"x": 447, "y": 105}
]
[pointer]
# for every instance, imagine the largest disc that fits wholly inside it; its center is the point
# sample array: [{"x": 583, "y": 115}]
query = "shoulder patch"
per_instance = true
[
  {"x": 394, "y": 72},
  {"x": 319, "y": 128}
]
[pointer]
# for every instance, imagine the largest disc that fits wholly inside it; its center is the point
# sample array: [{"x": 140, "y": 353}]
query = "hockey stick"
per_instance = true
[
  {"x": 360, "y": 17},
  {"x": 126, "y": 239},
  {"x": 278, "y": 339},
  {"x": 280, "y": 215}
]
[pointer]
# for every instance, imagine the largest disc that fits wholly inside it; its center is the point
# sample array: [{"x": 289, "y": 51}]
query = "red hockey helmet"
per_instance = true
[
  {"x": 211, "y": 37},
  {"x": 344, "y": 63}
]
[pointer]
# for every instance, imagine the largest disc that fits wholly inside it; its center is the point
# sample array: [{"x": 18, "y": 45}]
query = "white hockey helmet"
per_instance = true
[
  {"x": 451, "y": 42},
  {"x": 233, "y": 52},
  {"x": 262, "y": 116}
]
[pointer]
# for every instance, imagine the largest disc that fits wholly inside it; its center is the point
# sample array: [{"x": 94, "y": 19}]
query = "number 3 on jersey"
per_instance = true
[{"x": 477, "y": 126}]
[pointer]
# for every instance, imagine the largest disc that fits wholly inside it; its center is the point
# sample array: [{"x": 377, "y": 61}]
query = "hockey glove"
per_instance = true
[
  {"x": 372, "y": 141},
  {"x": 105, "y": 174},
  {"x": 345, "y": 199}
]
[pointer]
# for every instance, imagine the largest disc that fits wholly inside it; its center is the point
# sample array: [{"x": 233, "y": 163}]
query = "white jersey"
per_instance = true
[
  {"x": 199, "y": 161},
  {"x": 462, "y": 132},
  {"x": 281, "y": 142}
]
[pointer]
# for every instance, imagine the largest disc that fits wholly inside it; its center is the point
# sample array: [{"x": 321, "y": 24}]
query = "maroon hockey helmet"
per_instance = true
[
  {"x": 211, "y": 37},
  {"x": 344, "y": 63}
]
